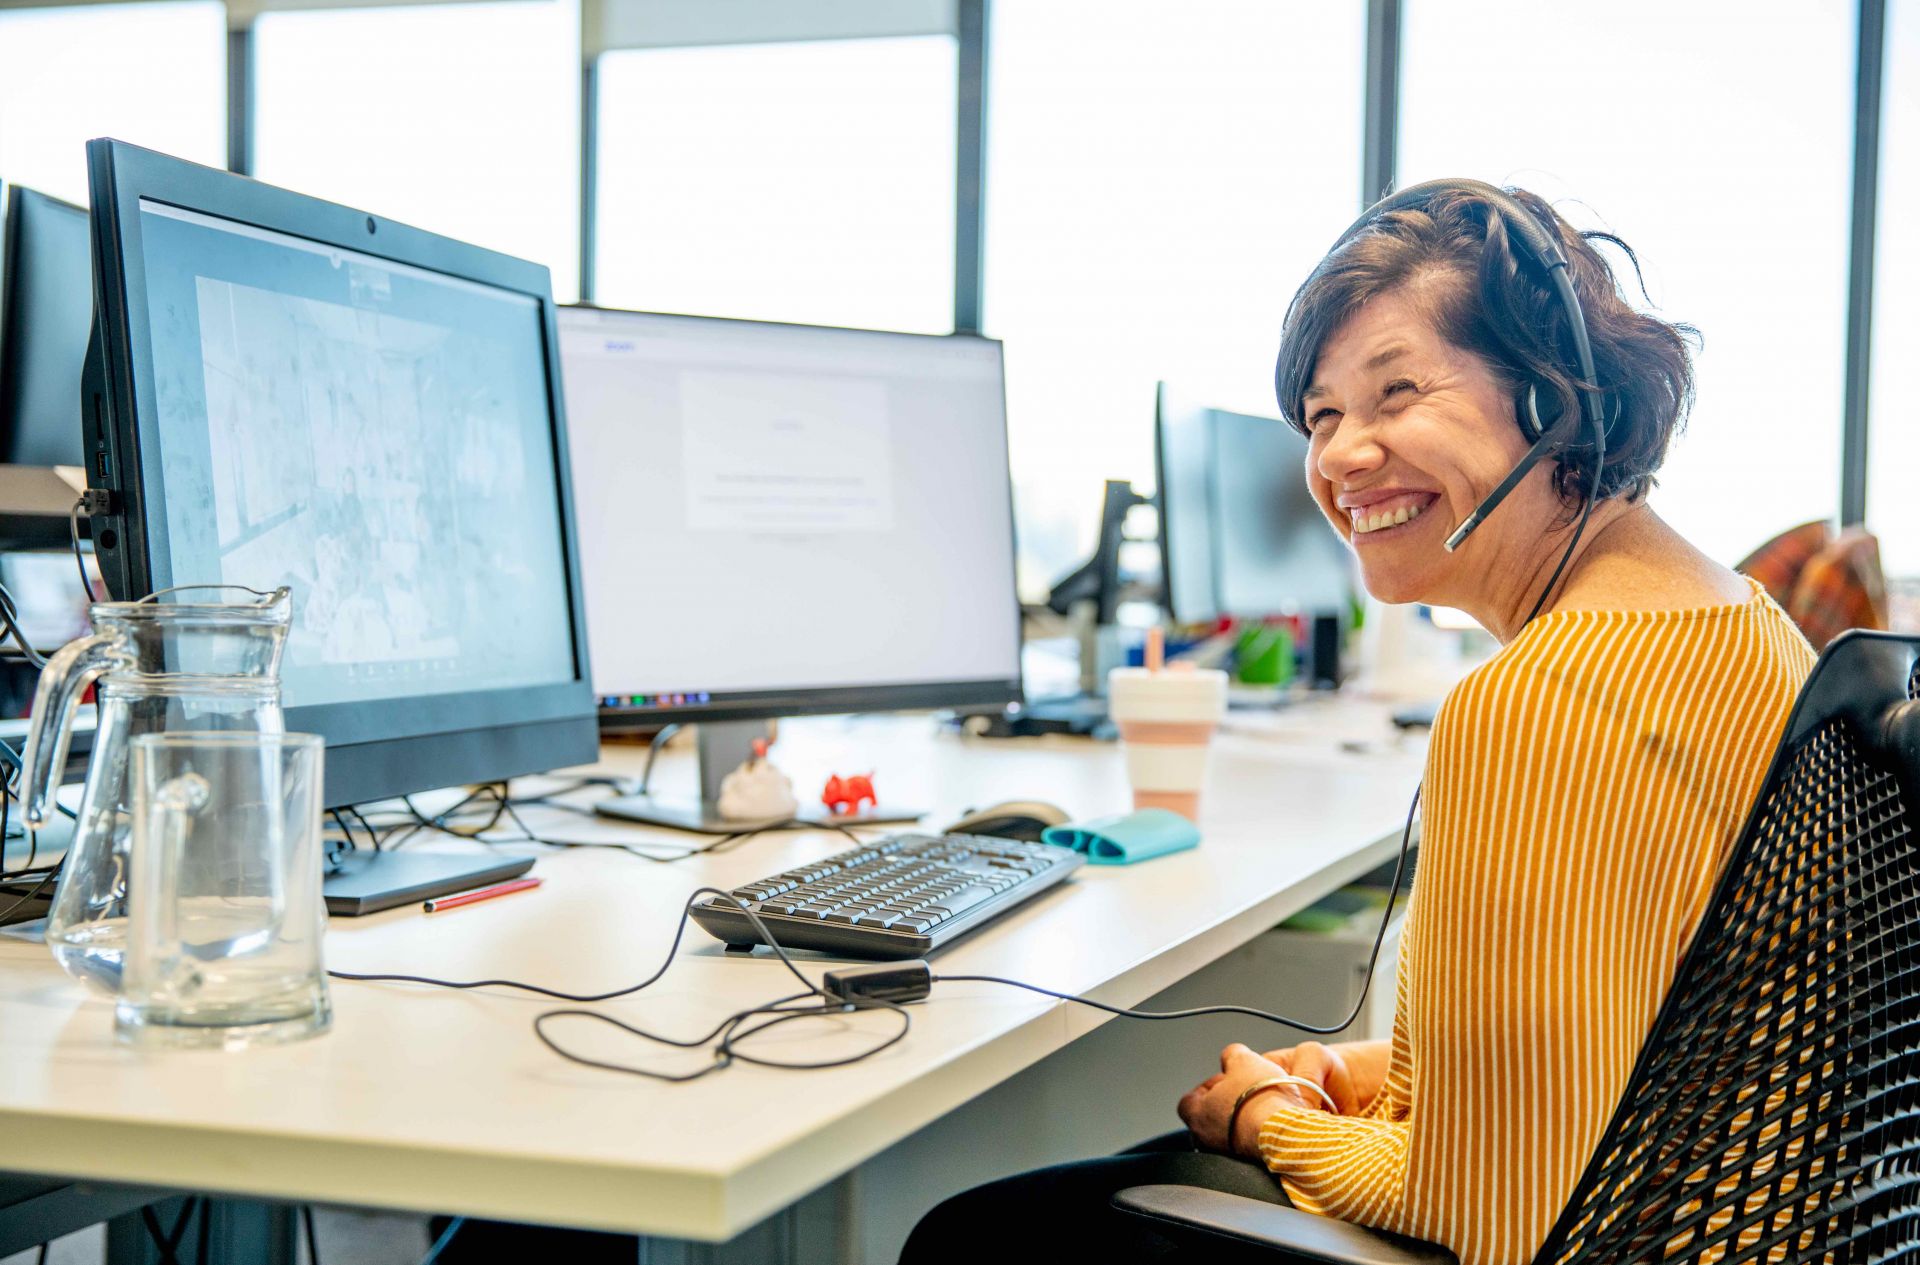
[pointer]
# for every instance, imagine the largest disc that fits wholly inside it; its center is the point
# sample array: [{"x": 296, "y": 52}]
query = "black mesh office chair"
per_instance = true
[{"x": 1774, "y": 1112}]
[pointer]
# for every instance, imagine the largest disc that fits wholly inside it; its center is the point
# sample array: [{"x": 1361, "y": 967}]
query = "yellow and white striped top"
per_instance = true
[{"x": 1582, "y": 790}]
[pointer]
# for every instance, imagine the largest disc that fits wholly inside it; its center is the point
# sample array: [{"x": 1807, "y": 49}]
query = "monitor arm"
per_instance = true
[{"x": 1098, "y": 579}]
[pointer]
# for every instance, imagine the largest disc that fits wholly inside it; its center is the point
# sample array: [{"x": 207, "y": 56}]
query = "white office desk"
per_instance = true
[{"x": 435, "y": 1100}]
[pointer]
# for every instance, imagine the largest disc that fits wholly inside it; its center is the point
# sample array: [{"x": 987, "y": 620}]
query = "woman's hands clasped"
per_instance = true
[{"x": 1207, "y": 1107}]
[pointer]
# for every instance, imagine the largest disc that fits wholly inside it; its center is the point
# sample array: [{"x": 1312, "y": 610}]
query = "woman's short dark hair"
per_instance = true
[{"x": 1483, "y": 296}]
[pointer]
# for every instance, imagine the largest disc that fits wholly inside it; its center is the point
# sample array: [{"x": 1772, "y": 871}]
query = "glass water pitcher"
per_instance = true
[{"x": 167, "y": 663}]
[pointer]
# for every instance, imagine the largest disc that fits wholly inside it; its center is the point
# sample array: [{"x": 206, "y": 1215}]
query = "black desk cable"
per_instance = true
[
  {"x": 11, "y": 771},
  {"x": 726, "y": 1037},
  {"x": 887, "y": 986},
  {"x": 1373, "y": 958}
]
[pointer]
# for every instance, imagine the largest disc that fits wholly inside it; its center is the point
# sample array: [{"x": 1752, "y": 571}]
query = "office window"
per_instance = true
[
  {"x": 457, "y": 118},
  {"x": 808, "y": 181},
  {"x": 154, "y": 74},
  {"x": 1161, "y": 179},
  {"x": 1715, "y": 137},
  {"x": 1893, "y": 434}
]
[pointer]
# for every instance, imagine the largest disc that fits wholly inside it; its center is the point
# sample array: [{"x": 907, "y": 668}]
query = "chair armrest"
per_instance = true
[{"x": 1298, "y": 1236}]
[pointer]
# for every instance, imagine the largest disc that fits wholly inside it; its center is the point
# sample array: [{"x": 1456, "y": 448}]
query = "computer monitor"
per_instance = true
[
  {"x": 1240, "y": 534},
  {"x": 299, "y": 393},
  {"x": 1183, "y": 495},
  {"x": 46, "y": 305},
  {"x": 784, "y": 519}
]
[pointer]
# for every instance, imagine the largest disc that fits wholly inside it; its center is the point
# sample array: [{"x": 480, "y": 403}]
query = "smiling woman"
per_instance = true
[
  {"x": 1582, "y": 787},
  {"x": 1430, "y": 319}
]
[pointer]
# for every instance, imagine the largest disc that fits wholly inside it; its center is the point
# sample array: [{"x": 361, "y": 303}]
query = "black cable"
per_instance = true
[
  {"x": 1373, "y": 959},
  {"x": 79, "y": 560},
  {"x": 41, "y": 1259},
  {"x": 440, "y": 1244},
  {"x": 362, "y": 819},
  {"x": 10, "y": 616},
  {"x": 1593, "y": 493},
  {"x": 561, "y": 995},
  {"x": 499, "y": 792},
  {"x": 725, "y": 1036},
  {"x": 720, "y": 844},
  {"x": 313, "y": 1240},
  {"x": 653, "y": 749},
  {"x": 35, "y": 891}
]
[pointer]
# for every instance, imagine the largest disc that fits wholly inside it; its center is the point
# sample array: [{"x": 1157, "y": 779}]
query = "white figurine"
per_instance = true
[{"x": 756, "y": 791}]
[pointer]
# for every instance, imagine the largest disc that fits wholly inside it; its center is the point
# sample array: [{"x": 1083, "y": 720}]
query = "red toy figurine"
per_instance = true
[{"x": 844, "y": 794}]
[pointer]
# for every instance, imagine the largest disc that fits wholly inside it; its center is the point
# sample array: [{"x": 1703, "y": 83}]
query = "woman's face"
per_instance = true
[{"x": 1408, "y": 435}]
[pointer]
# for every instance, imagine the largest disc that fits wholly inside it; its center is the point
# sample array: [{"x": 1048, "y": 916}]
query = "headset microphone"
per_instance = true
[{"x": 1553, "y": 441}]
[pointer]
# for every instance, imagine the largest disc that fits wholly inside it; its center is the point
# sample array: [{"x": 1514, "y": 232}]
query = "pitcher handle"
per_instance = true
[{"x": 55, "y": 699}]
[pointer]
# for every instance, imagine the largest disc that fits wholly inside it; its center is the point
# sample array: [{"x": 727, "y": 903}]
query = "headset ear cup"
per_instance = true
[{"x": 1537, "y": 407}]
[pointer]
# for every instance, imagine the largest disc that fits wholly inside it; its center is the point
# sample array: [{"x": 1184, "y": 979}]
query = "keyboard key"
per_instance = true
[
  {"x": 876, "y": 919},
  {"x": 913, "y": 924},
  {"x": 967, "y": 897}
]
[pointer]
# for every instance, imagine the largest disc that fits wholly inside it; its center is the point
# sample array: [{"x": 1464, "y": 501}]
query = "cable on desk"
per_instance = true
[
  {"x": 650, "y": 852},
  {"x": 725, "y": 1036},
  {"x": 1373, "y": 958}
]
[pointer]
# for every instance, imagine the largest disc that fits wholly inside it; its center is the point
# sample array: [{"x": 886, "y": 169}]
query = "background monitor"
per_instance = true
[
  {"x": 780, "y": 519},
  {"x": 1183, "y": 482},
  {"x": 46, "y": 307},
  {"x": 1240, "y": 533},
  {"x": 308, "y": 395}
]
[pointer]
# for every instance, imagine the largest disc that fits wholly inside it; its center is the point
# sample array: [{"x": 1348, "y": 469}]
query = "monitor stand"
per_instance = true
[
  {"x": 362, "y": 882},
  {"x": 723, "y": 746}
]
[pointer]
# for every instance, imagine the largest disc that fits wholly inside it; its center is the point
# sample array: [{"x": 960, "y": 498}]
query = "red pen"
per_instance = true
[{"x": 485, "y": 893}]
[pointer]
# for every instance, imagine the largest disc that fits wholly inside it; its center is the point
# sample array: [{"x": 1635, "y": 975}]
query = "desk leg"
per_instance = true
[
  {"x": 205, "y": 1231},
  {"x": 813, "y": 1230}
]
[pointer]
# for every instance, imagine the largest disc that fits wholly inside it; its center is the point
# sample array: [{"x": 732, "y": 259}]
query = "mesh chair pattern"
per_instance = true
[{"x": 1774, "y": 1111}]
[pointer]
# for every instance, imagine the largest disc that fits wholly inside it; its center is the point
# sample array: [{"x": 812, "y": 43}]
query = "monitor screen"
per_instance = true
[
  {"x": 1240, "y": 532},
  {"x": 46, "y": 307},
  {"x": 284, "y": 390},
  {"x": 1277, "y": 552},
  {"x": 375, "y": 436},
  {"x": 779, "y": 518}
]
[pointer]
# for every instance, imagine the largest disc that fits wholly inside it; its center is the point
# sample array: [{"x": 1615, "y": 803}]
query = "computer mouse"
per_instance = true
[{"x": 1015, "y": 819}]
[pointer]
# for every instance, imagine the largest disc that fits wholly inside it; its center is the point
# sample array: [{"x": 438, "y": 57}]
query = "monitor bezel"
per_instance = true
[
  {"x": 1165, "y": 401},
  {"x": 375, "y": 748},
  {"x": 838, "y": 699},
  {"x": 15, "y": 199}
]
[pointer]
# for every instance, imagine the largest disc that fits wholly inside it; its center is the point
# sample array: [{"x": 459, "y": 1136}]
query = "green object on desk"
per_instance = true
[
  {"x": 1264, "y": 655},
  {"x": 1140, "y": 835}
]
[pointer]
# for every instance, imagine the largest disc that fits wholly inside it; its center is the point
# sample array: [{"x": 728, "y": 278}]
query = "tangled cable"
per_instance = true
[{"x": 725, "y": 1037}]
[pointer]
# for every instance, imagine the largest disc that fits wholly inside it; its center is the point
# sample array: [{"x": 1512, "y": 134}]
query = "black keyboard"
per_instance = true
[{"x": 899, "y": 897}]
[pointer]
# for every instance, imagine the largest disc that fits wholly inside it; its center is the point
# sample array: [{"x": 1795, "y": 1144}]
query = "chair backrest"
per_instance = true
[{"x": 1774, "y": 1113}]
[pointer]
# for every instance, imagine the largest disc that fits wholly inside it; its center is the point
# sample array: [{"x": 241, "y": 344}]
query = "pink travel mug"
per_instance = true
[{"x": 1166, "y": 719}]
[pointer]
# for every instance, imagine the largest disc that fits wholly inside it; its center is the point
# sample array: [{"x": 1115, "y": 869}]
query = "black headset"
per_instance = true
[{"x": 1551, "y": 430}]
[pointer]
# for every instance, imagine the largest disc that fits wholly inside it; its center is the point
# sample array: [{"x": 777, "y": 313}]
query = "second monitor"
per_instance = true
[
  {"x": 1240, "y": 533},
  {"x": 785, "y": 519}
]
